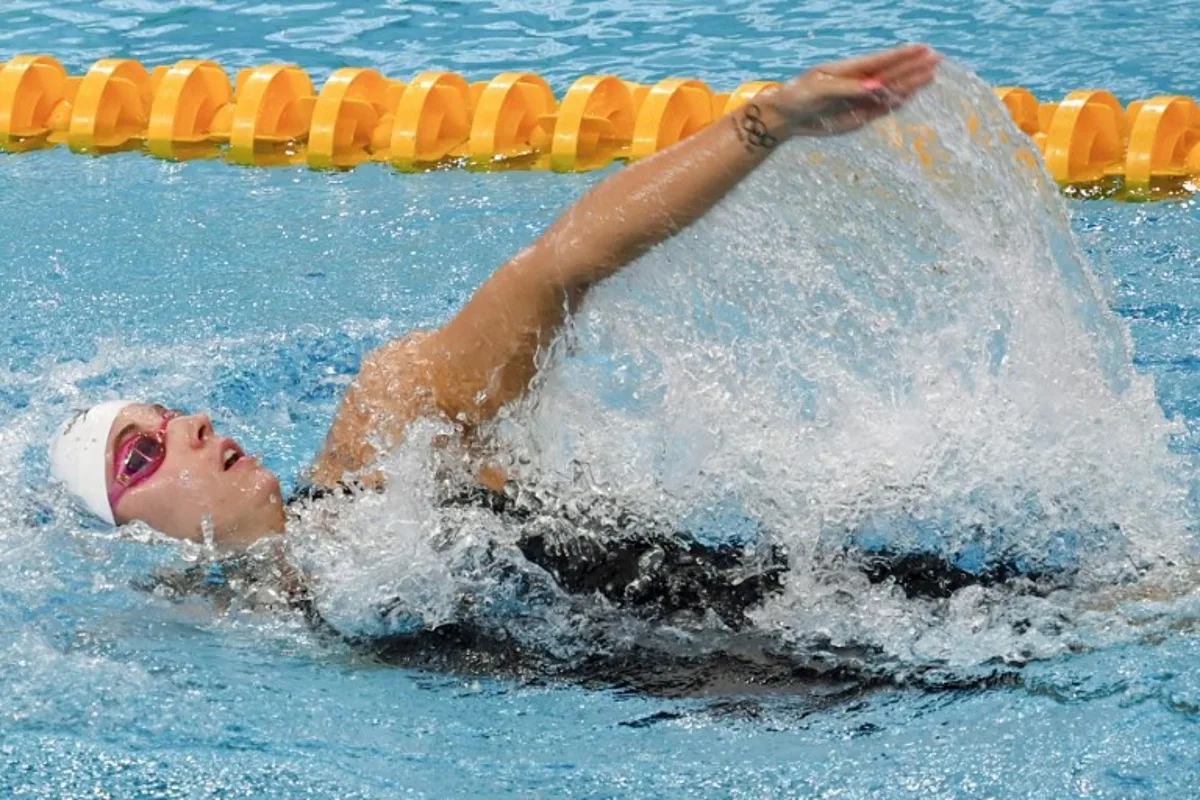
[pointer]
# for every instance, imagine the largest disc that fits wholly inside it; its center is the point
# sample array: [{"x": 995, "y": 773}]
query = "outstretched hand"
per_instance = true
[{"x": 842, "y": 96}]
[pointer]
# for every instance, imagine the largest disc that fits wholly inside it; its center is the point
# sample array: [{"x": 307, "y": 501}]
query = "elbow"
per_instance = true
[{"x": 577, "y": 263}]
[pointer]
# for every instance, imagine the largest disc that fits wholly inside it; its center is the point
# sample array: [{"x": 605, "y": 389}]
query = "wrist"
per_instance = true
[
  {"x": 772, "y": 114},
  {"x": 760, "y": 125}
]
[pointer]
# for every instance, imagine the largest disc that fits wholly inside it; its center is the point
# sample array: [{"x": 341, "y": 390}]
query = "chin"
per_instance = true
[
  {"x": 263, "y": 484},
  {"x": 269, "y": 482},
  {"x": 262, "y": 510}
]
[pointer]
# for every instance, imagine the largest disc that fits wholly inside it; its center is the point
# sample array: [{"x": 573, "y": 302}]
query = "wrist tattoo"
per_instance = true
[{"x": 751, "y": 130}]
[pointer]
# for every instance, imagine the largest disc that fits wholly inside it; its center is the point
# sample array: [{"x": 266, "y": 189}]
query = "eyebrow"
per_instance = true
[
  {"x": 133, "y": 426},
  {"x": 128, "y": 429}
]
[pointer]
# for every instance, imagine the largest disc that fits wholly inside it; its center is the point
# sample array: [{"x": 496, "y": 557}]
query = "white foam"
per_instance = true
[{"x": 858, "y": 340}]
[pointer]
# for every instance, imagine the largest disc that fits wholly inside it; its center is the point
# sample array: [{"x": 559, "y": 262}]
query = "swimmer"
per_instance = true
[{"x": 126, "y": 461}]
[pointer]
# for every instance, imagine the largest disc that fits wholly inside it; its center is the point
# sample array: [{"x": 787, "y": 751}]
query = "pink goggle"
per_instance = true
[{"x": 139, "y": 458}]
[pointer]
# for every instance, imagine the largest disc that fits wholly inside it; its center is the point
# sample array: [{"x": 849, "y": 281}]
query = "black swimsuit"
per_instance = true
[
  {"x": 634, "y": 563},
  {"x": 641, "y": 569}
]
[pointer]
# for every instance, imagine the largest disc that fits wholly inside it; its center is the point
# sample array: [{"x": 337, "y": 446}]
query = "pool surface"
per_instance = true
[{"x": 849, "y": 345}]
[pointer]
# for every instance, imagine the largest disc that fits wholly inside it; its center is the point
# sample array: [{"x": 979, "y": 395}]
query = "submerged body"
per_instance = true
[{"x": 648, "y": 607}]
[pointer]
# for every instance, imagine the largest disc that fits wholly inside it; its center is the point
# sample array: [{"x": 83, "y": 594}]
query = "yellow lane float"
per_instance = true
[
  {"x": 192, "y": 109},
  {"x": 593, "y": 125},
  {"x": 1089, "y": 138},
  {"x": 273, "y": 114},
  {"x": 354, "y": 105},
  {"x": 35, "y": 102}
]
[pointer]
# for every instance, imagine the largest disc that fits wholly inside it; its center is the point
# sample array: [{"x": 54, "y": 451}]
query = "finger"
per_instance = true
[
  {"x": 849, "y": 88},
  {"x": 901, "y": 71},
  {"x": 909, "y": 83},
  {"x": 874, "y": 63},
  {"x": 902, "y": 84},
  {"x": 893, "y": 98}
]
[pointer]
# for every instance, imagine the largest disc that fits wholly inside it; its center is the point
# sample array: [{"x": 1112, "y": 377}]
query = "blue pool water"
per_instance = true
[{"x": 255, "y": 293}]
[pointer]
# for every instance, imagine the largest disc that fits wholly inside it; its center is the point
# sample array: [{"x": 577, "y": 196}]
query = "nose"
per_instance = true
[{"x": 196, "y": 428}]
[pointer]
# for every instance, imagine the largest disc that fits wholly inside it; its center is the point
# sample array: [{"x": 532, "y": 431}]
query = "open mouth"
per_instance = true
[{"x": 230, "y": 455}]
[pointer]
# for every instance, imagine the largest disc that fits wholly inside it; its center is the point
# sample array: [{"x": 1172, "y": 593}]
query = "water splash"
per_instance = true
[{"x": 876, "y": 345}]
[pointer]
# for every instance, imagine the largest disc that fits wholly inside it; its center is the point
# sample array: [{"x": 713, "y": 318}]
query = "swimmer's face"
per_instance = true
[{"x": 202, "y": 477}]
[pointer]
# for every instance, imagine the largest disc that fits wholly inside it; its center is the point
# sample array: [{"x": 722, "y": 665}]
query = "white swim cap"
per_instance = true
[{"x": 77, "y": 456}]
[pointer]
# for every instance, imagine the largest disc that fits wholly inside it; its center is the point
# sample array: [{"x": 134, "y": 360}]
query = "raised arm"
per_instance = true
[{"x": 485, "y": 357}]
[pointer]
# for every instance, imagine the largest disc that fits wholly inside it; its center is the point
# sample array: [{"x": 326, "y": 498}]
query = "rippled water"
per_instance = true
[
  {"x": 1135, "y": 49},
  {"x": 254, "y": 293}
]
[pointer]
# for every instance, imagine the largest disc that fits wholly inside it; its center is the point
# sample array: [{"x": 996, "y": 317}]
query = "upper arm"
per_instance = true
[
  {"x": 482, "y": 359},
  {"x": 487, "y": 355}
]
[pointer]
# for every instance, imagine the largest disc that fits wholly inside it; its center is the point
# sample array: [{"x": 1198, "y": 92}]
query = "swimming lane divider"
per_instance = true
[
  {"x": 1088, "y": 137},
  {"x": 273, "y": 115}
]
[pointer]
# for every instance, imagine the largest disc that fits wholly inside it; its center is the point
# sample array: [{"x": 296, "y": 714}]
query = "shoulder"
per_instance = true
[
  {"x": 401, "y": 365},
  {"x": 392, "y": 389}
]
